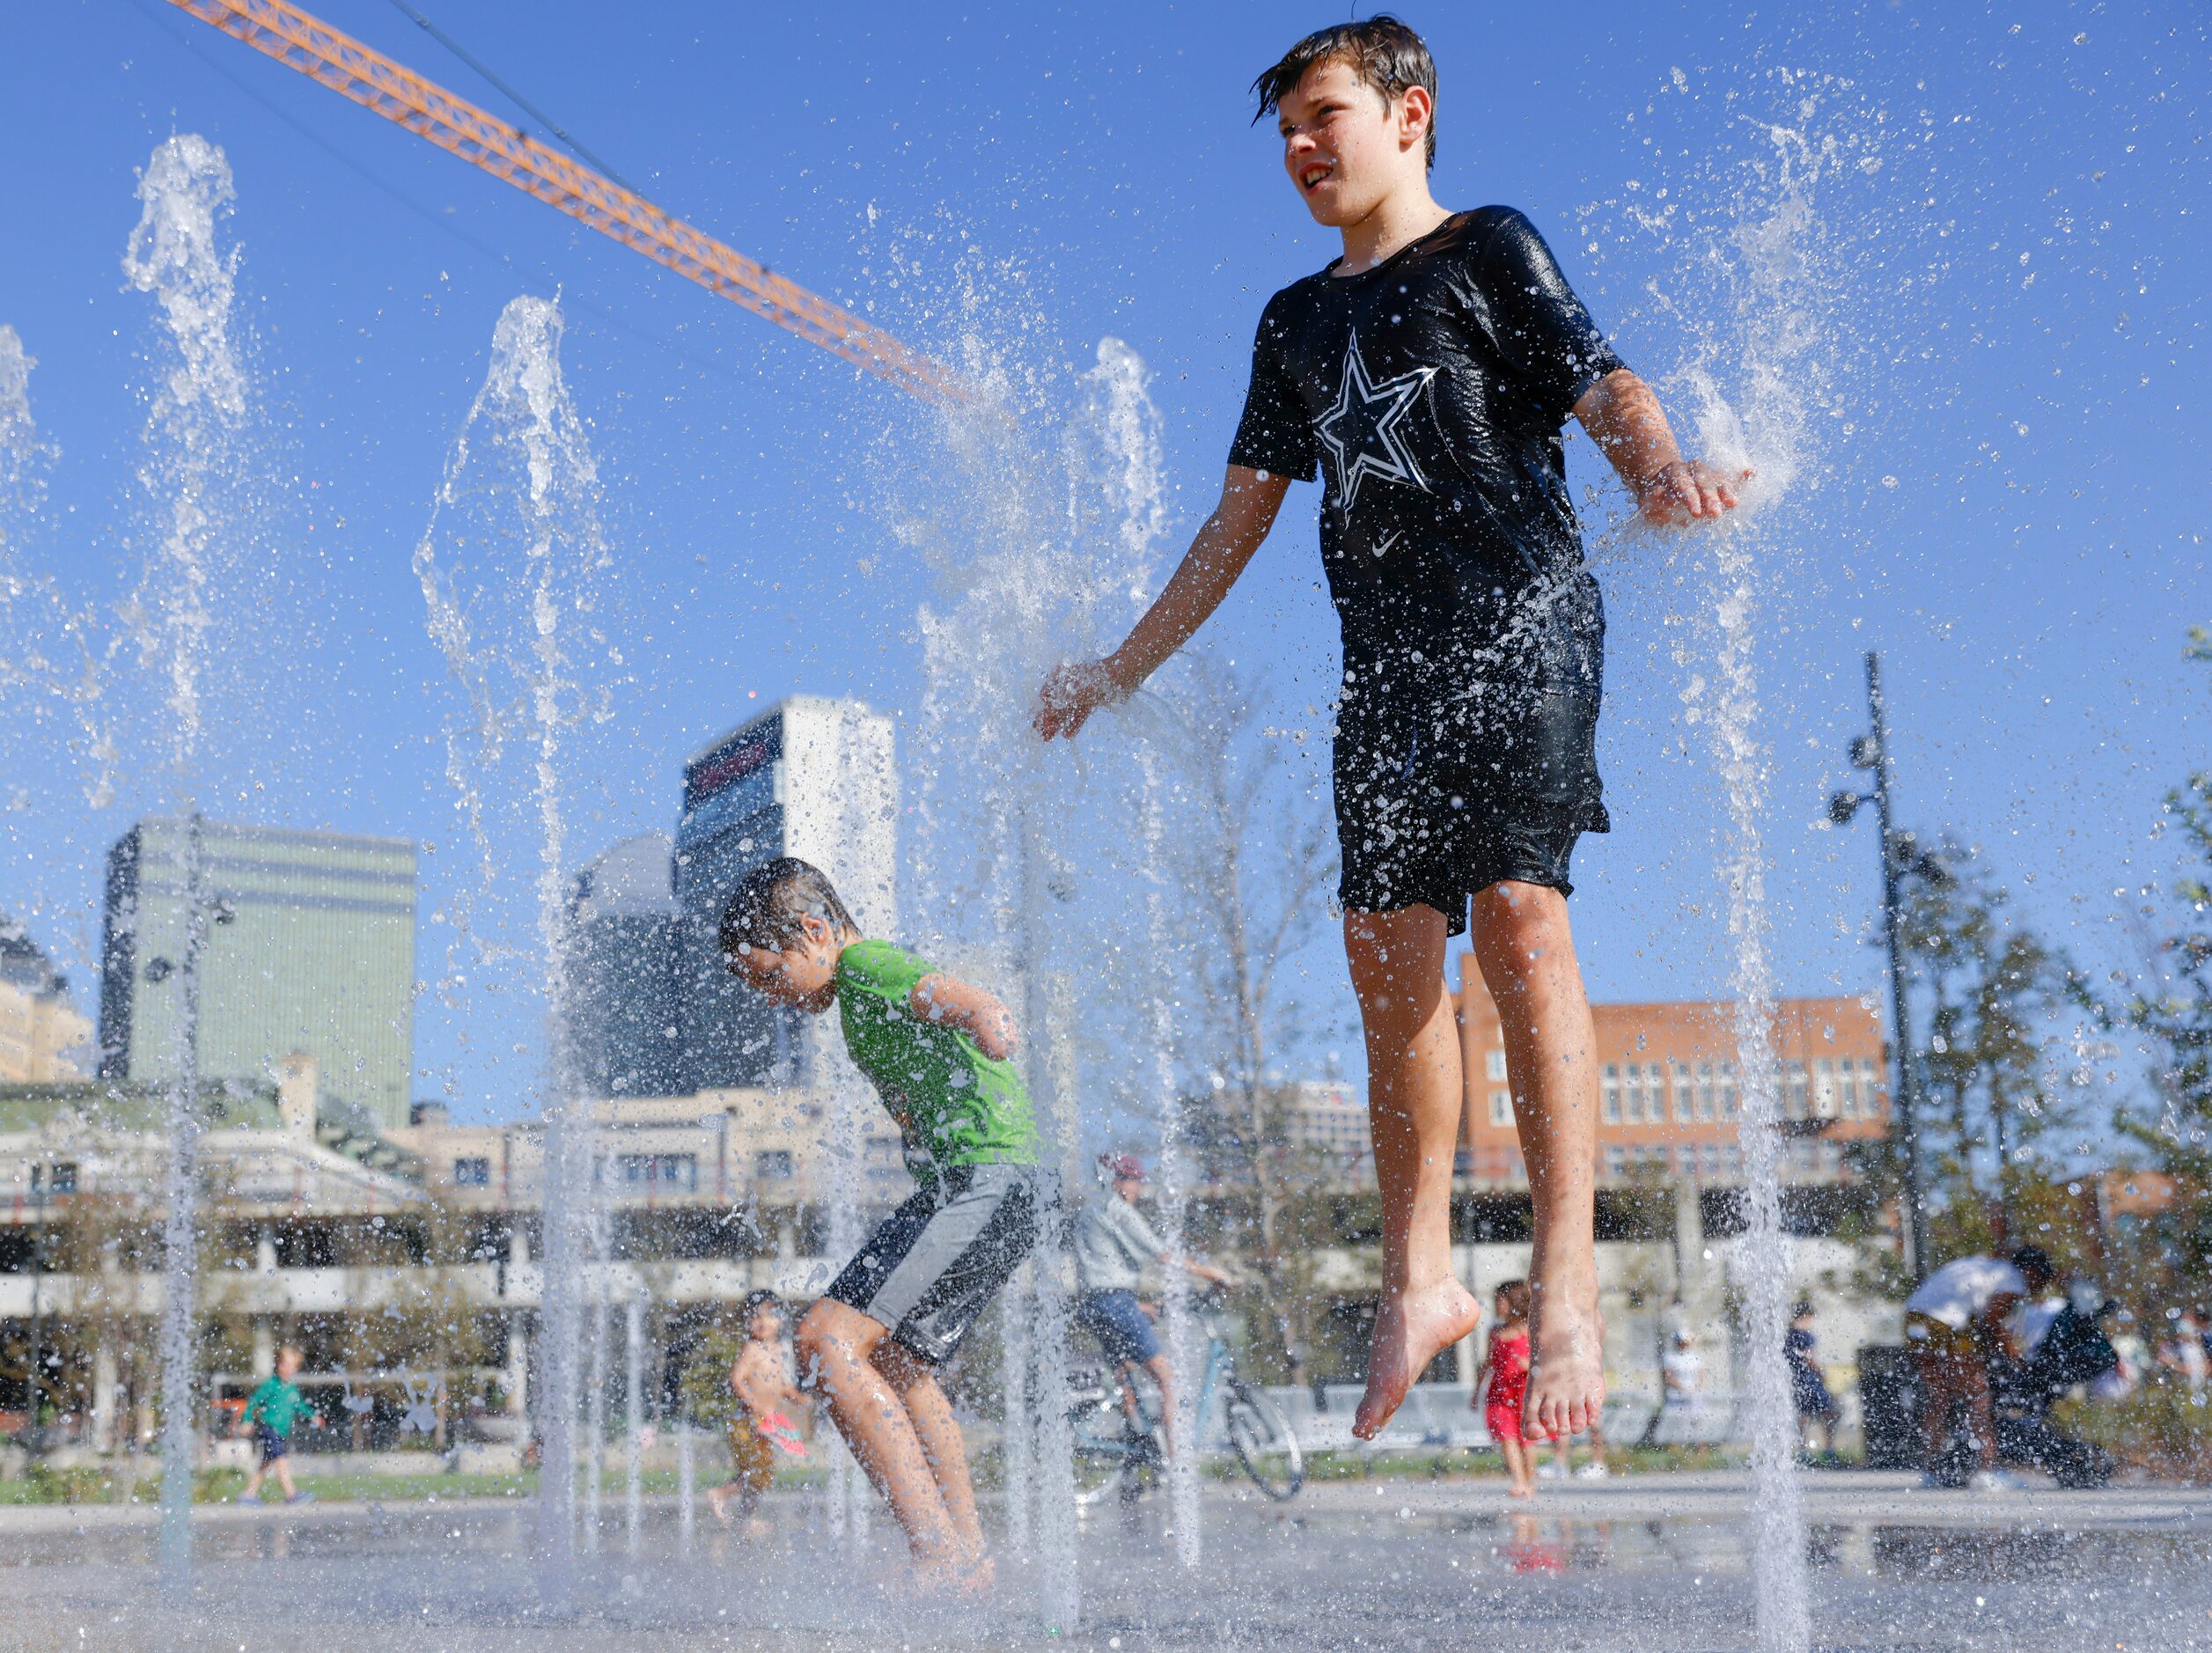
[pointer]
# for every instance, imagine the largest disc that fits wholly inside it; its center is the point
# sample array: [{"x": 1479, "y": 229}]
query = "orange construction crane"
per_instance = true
[{"x": 399, "y": 95}]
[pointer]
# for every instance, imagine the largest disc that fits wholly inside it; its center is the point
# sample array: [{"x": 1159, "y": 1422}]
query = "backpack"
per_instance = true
[{"x": 2073, "y": 1351}]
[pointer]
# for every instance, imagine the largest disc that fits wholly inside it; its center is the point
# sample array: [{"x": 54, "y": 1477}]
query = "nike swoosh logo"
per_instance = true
[{"x": 1383, "y": 546}]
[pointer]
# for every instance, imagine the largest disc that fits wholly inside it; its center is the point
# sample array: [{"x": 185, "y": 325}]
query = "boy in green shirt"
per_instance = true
[
  {"x": 938, "y": 1051},
  {"x": 272, "y": 1410}
]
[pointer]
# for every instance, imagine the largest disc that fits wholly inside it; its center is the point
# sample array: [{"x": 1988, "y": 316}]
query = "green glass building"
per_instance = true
[{"x": 310, "y": 947}]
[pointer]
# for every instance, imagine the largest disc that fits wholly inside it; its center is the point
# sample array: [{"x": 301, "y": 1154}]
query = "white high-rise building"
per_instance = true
[{"x": 810, "y": 777}]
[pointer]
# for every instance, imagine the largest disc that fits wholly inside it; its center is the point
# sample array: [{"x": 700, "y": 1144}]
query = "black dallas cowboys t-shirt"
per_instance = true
[{"x": 1432, "y": 389}]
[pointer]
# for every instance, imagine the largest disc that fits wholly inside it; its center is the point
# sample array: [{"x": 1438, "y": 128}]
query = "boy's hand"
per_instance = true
[
  {"x": 1687, "y": 490},
  {"x": 1072, "y": 692}
]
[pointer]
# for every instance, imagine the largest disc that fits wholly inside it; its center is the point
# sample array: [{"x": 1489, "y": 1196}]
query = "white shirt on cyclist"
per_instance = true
[{"x": 1114, "y": 1245}]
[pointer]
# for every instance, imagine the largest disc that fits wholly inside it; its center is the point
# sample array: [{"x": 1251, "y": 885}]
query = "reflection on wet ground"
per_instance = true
[{"x": 1643, "y": 1563}]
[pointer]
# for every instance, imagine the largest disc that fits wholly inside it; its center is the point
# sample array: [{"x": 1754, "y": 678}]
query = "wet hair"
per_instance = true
[
  {"x": 1387, "y": 55},
  {"x": 1517, "y": 1298},
  {"x": 765, "y": 909},
  {"x": 756, "y": 1301},
  {"x": 2035, "y": 1263},
  {"x": 1804, "y": 1308}
]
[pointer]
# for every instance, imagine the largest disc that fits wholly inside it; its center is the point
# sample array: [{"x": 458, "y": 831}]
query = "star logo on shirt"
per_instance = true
[{"x": 1360, "y": 430}]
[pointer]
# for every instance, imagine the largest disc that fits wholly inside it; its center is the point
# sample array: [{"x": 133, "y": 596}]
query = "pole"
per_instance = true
[
  {"x": 686, "y": 1483},
  {"x": 634, "y": 1386},
  {"x": 38, "y": 1292},
  {"x": 1908, "y": 1089}
]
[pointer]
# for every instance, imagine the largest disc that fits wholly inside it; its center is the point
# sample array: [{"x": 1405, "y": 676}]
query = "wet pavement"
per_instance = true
[{"x": 1643, "y": 1563}]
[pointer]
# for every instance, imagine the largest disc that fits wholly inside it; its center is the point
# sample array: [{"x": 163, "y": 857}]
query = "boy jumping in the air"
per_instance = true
[
  {"x": 1428, "y": 371},
  {"x": 938, "y": 1051}
]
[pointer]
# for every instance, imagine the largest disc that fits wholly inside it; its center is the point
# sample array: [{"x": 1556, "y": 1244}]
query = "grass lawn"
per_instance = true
[{"x": 93, "y": 1485}]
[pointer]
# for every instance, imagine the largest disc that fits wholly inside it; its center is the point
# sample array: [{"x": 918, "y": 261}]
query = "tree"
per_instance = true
[
  {"x": 1258, "y": 859},
  {"x": 1997, "y": 1112},
  {"x": 2171, "y": 1011}
]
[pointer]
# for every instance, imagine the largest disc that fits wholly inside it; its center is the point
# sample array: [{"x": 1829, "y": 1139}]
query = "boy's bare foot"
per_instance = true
[
  {"x": 1520, "y": 1492},
  {"x": 1566, "y": 1374},
  {"x": 969, "y": 1576},
  {"x": 718, "y": 1501},
  {"x": 1411, "y": 1329}
]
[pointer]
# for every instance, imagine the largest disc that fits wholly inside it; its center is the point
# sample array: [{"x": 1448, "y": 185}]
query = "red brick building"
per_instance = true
[{"x": 1668, "y": 1089}]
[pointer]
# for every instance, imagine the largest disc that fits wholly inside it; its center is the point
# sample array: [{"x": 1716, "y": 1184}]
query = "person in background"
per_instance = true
[
  {"x": 1808, "y": 1386},
  {"x": 758, "y": 1428},
  {"x": 1503, "y": 1374},
  {"x": 2182, "y": 1352},
  {"x": 1680, "y": 1420},
  {"x": 1114, "y": 1245},
  {"x": 1956, "y": 1325},
  {"x": 272, "y": 1410}
]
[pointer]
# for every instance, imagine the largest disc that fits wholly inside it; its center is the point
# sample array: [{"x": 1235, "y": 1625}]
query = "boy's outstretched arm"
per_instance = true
[
  {"x": 951, "y": 1002},
  {"x": 1624, "y": 419},
  {"x": 1218, "y": 555}
]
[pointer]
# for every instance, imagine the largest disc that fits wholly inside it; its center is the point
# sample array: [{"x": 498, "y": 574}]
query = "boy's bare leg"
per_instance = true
[
  {"x": 837, "y": 1344},
  {"x": 943, "y": 1445},
  {"x": 1527, "y": 953},
  {"x": 284, "y": 1479},
  {"x": 1164, "y": 1375},
  {"x": 1414, "y": 1101}
]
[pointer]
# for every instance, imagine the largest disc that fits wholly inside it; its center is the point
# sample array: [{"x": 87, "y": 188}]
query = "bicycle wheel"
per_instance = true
[
  {"x": 1105, "y": 1456},
  {"x": 1262, "y": 1437}
]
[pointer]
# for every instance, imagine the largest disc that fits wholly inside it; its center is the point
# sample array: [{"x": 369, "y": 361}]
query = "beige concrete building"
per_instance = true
[{"x": 43, "y": 1039}]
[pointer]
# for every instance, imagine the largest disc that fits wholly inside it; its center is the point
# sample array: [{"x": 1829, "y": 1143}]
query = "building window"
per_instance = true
[
  {"x": 1679, "y": 1072},
  {"x": 1609, "y": 1092},
  {"x": 1730, "y": 1106},
  {"x": 65, "y": 1178},
  {"x": 664, "y": 1173},
  {"x": 1496, "y": 1064},
  {"x": 1501, "y": 1107},
  {"x": 1616, "y": 1161},
  {"x": 471, "y": 1173},
  {"x": 1795, "y": 1103},
  {"x": 772, "y": 1164}
]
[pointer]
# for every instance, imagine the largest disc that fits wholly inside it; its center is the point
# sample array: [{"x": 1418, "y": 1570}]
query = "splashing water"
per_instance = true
[
  {"x": 1751, "y": 390},
  {"x": 198, "y": 403},
  {"x": 19, "y": 446},
  {"x": 512, "y": 567},
  {"x": 195, "y": 417},
  {"x": 1041, "y": 521},
  {"x": 48, "y": 650}
]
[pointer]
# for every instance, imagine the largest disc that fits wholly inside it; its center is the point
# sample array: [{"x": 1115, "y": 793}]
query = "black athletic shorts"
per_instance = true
[
  {"x": 1439, "y": 795},
  {"x": 937, "y": 1261}
]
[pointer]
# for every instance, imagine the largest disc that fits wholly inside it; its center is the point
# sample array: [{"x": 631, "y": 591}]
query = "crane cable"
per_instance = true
[{"x": 520, "y": 102}]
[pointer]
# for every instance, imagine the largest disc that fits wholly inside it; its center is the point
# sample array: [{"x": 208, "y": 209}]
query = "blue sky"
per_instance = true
[{"x": 2009, "y": 322}]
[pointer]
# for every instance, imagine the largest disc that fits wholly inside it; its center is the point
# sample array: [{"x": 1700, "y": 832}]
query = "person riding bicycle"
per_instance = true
[{"x": 1114, "y": 1245}]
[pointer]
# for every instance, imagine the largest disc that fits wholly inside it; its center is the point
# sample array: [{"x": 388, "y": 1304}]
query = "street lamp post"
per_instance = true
[{"x": 1899, "y": 857}]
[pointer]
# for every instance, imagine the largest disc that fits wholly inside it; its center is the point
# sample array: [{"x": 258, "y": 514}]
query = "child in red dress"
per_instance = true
[{"x": 1505, "y": 1363}]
